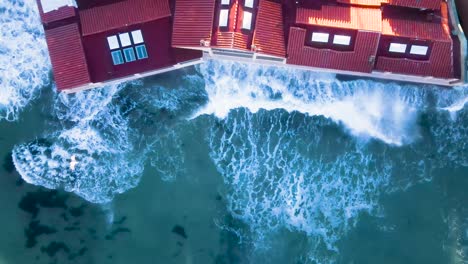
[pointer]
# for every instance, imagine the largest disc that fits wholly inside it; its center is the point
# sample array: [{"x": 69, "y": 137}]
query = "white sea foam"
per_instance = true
[
  {"x": 24, "y": 62},
  {"x": 98, "y": 136},
  {"x": 386, "y": 111},
  {"x": 278, "y": 177}
]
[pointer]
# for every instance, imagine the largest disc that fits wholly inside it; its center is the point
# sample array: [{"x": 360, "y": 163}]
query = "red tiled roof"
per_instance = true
[
  {"x": 438, "y": 65},
  {"x": 192, "y": 22},
  {"x": 232, "y": 40},
  {"x": 350, "y": 17},
  {"x": 56, "y": 15},
  {"x": 359, "y": 60},
  {"x": 121, "y": 14},
  {"x": 404, "y": 26},
  {"x": 269, "y": 30},
  {"x": 423, "y": 4},
  {"x": 362, "y": 2},
  {"x": 67, "y": 56}
]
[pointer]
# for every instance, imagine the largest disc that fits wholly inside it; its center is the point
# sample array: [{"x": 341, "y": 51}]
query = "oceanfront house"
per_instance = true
[{"x": 94, "y": 42}]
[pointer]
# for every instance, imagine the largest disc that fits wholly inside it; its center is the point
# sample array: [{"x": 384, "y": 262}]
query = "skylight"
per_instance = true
[
  {"x": 320, "y": 37},
  {"x": 342, "y": 40},
  {"x": 137, "y": 37},
  {"x": 247, "y": 20},
  {"x": 419, "y": 50},
  {"x": 249, "y": 3},
  {"x": 397, "y": 47},
  {"x": 223, "y": 17},
  {"x": 125, "y": 39},
  {"x": 113, "y": 42},
  {"x": 129, "y": 49},
  {"x": 225, "y": 2}
]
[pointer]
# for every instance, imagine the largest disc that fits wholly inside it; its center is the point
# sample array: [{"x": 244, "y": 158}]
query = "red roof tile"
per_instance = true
[
  {"x": 360, "y": 60},
  {"x": 363, "y": 2},
  {"x": 269, "y": 30},
  {"x": 405, "y": 26},
  {"x": 121, "y": 14},
  {"x": 350, "y": 17},
  {"x": 67, "y": 56},
  {"x": 438, "y": 65},
  {"x": 192, "y": 22},
  {"x": 56, "y": 15},
  {"x": 422, "y": 4}
]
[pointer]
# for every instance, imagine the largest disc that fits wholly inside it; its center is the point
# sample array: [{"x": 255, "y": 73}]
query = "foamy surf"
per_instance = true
[
  {"x": 99, "y": 138},
  {"x": 386, "y": 111},
  {"x": 24, "y": 61}
]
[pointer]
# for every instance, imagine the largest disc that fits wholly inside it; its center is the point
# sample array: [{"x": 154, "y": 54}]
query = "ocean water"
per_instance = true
[{"x": 226, "y": 163}]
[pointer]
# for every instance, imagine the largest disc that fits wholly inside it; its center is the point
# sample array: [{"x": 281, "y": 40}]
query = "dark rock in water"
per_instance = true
[
  {"x": 77, "y": 211},
  {"x": 179, "y": 230},
  {"x": 80, "y": 253},
  {"x": 34, "y": 230},
  {"x": 121, "y": 221},
  {"x": 112, "y": 234},
  {"x": 55, "y": 247},
  {"x": 42, "y": 198},
  {"x": 8, "y": 164}
]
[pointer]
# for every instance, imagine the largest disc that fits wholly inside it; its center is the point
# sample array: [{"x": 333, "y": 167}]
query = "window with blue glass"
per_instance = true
[{"x": 127, "y": 47}]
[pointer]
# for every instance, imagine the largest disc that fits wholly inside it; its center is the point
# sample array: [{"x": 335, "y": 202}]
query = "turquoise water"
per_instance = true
[{"x": 226, "y": 163}]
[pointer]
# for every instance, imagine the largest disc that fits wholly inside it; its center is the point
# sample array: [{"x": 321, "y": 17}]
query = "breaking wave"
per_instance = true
[
  {"x": 386, "y": 111},
  {"x": 278, "y": 176},
  {"x": 24, "y": 62},
  {"x": 93, "y": 131}
]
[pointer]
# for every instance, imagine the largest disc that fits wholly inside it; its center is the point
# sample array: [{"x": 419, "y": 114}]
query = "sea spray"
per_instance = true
[
  {"x": 97, "y": 136},
  {"x": 24, "y": 61},
  {"x": 278, "y": 177}
]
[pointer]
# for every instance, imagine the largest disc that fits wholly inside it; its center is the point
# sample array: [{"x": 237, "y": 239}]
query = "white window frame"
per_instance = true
[
  {"x": 397, "y": 47},
  {"x": 342, "y": 40},
  {"x": 113, "y": 42},
  {"x": 249, "y": 3},
  {"x": 223, "y": 17},
  {"x": 419, "y": 50},
  {"x": 247, "y": 20},
  {"x": 225, "y": 2},
  {"x": 320, "y": 37}
]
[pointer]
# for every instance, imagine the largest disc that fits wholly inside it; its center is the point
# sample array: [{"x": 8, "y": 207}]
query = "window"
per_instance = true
[
  {"x": 341, "y": 40},
  {"x": 137, "y": 37},
  {"x": 249, "y": 3},
  {"x": 125, "y": 40},
  {"x": 124, "y": 49},
  {"x": 320, "y": 37},
  {"x": 247, "y": 20},
  {"x": 223, "y": 17},
  {"x": 117, "y": 57},
  {"x": 141, "y": 52},
  {"x": 113, "y": 42},
  {"x": 397, "y": 47},
  {"x": 129, "y": 55},
  {"x": 419, "y": 50},
  {"x": 225, "y": 2}
]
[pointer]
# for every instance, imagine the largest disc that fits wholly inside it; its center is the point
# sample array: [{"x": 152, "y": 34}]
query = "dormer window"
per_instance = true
[
  {"x": 419, "y": 50},
  {"x": 397, "y": 47},
  {"x": 342, "y": 40},
  {"x": 223, "y": 17},
  {"x": 247, "y": 20},
  {"x": 123, "y": 46},
  {"x": 320, "y": 37}
]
